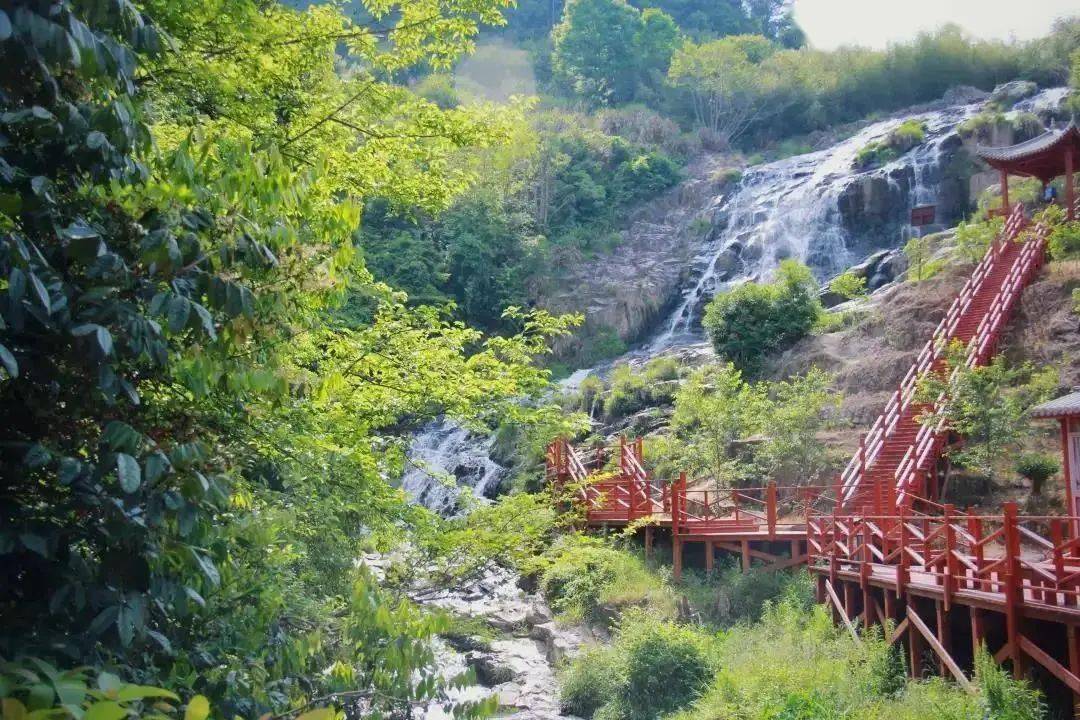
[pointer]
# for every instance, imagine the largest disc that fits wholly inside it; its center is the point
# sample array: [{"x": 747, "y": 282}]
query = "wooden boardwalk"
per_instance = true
[{"x": 882, "y": 551}]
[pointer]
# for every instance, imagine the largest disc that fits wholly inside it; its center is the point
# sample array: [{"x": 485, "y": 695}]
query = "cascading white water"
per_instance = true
[
  {"x": 444, "y": 458},
  {"x": 791, "y": 208},
  {"x": 788, "y": 208}
]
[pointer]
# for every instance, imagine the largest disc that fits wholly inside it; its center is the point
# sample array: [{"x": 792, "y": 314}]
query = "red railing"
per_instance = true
[
  {"x": 1028, "y": 560},
  {"x": 700, "y": 510},
  {"x": 619, "y": 495},
  {"x": 929, "y": 440}
]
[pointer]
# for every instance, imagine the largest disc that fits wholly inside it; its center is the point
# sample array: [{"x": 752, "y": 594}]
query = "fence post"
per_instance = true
[
  {"x": 949, "y": 581},
  {"x": 1014, "y": 587},
  {"x": 770, "y": 508},
  {"x": 902, "y": 572},
  {"x": 1057, "y": 536},
  {"x": 975, "y": 529}
]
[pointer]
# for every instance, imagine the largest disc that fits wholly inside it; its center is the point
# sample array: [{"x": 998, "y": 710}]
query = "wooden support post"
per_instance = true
[
  {"x": 947, "y": 662},
  {"x": 978, "y": 629},
  {"x": 770, "y": 508},
  {"x": 746, "y": 556},
  {"x": 838, "y": 609},
  {"x": 710, "y": 553},
  {"x": 676, "y": 557},
  {"x": 1073, "y": 636},
  {"x": 819, "y": 589},
  {"x": 649, "y": 542},
  {"x": 849, "y": 600},
  {"x": 1013, "y": 588},
  {"x": 890, "y": 607},
  {"x": 1067, "y": 472},
  {"x": 944, "y": 634},
  {"x": 915, "y": 643}
]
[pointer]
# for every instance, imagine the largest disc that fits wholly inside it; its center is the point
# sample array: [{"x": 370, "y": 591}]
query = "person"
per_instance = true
[{"x": 1049, "y": 194}]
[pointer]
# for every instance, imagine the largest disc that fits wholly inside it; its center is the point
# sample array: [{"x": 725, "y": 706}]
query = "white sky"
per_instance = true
[{"x": 875, "y": 23}]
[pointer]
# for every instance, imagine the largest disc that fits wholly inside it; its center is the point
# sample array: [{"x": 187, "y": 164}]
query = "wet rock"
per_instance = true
[
  {"x": 1006, "y": 95},
  {"x": 964, "y": 95}
]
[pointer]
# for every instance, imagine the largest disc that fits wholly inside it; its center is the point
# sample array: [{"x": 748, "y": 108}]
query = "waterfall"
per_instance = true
[
  {"x": 443, "y": 459},
  {"x": 792, "y": 208},
  {"x": 799, "y": 207}
]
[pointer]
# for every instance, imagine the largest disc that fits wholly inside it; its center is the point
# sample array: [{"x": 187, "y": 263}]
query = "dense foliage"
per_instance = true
[
  {"x": 987, "y": 405},
  {"x": 205, "y": 390},
  {"x": 754, "y": 320}
]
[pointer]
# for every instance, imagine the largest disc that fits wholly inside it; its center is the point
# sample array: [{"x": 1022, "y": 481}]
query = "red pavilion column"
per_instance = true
[{"x": 1070, "y": 191}]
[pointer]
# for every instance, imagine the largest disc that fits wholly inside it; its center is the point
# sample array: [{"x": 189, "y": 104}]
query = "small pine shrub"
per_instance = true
[
  {"x": 1037, "y": 468},
  {"x": 1064, "y": 241},
  {"x": 590, "y": 682}
]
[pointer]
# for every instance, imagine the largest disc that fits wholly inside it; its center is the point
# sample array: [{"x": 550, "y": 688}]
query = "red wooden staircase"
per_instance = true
[{"x": 890, "y": 469}]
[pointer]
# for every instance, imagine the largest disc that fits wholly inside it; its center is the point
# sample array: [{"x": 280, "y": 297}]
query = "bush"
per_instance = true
[
  {"x": 1037, "y": 469},
  {"x": 919, "y": 253},
  {"x": 631, "y": 391},
  {"x": 1064, "y": 241},
  {"x": 752, "y": 320},
  {"x": 973, "y": 238},
  {"x": 591, "y": 682},
  {"x": 585, "y": 576},
  {"x": 653, "y": 668},
  {"x": 732, "y": 596},
  {"x": 849, "y": 285},
  {"x": 904, "y": 137}
]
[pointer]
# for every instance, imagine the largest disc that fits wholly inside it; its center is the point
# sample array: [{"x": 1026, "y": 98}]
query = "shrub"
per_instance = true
[
  {"x": 752, "y": 320},
  {"x": 902, "y": 138},
  {"x": 1003, "y": 698},
  {"x": 667, "y": 666},
  {"x": 628, "y": 393},
  {"x": 849, "y": 285},
  {"x": 591, "y": 682},
  {"x": 590, "y": 392},
  {"x": 652, "y": 668},
  {"x": 1064, "y": 241},
  {"x": 584, "y": 575},
  {"x": 921, "y": 266},
  {"x": 732, "y": 596},
  {"x": 1037, "y": 468},
  {"x": 973, "y": 238}
]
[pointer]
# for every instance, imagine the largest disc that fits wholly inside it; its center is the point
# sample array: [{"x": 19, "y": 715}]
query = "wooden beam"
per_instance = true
[
  {"x": 899, "y": 631},
  {"x": 676, "y": 555},
  {"x": 710, "y": 556},
  {"x": 1056, "y": 669},
  {"x": 949, "y": 663},
  {"x": 746, "y": 556},
  {"x": 1004, "y": 653},
  {"x": 738, "y": 548},
  {"x": 648, "y": 542},
  {"x": 840, "y": 609}
]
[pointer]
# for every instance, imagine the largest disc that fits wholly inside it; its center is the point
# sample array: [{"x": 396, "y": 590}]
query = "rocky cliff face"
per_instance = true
[{"x": 678, "y": 250}]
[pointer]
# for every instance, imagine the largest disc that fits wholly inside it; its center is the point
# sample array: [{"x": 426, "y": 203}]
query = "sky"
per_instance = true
[{"x": 875, "y": 23}]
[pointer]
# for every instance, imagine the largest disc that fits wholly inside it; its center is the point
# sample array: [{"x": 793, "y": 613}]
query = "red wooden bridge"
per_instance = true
[{"x": 881, "y": 548}]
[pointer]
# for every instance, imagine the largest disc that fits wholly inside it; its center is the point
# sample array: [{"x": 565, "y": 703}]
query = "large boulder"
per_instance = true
[{"x": 1006, "y": 95}]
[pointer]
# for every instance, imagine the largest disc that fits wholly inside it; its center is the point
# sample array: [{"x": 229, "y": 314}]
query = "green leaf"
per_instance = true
[
  {"x": 155, "y": 466},
  {"x": 35, "y": 543},
  {"x": 129, "y": 472},
  {"x": 105, "y": 710},
  {"x": 69, "y": 470},
  {"x": 138, "y": 692},
  {"x": 41, "y": 291},
  {"x": 10, "y": 364},
  {"x": 179, "y": 311},
  {"x": 16, "y": 284},
  {"x": 5, "y": 26},
  {"x": 37, "y": 456},
  {"x": 198, "y": 708},
  {"x": 325, "y": 713},
  {"x": 206, "y": 320},
  {"x": 104, "y": 341},
  {"x": 208, "y": 568},
  {"x": 40, "y": 696},
  {"x": 125, "y": 625},
  {"x": 109, "y": 683},
  {"x": 121, "y": 437}
]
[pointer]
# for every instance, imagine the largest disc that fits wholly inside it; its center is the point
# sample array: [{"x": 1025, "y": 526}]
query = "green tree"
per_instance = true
[
  {"x": 594, "y": 52},
  {"x": 748, "y": 323},
  {"x": 987, "y": 405}
]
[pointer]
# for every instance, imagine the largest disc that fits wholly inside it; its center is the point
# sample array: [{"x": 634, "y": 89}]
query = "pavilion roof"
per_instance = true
[
  {"x": 1065, "y": 406},
  {"x": 1042, "y": 157}
]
